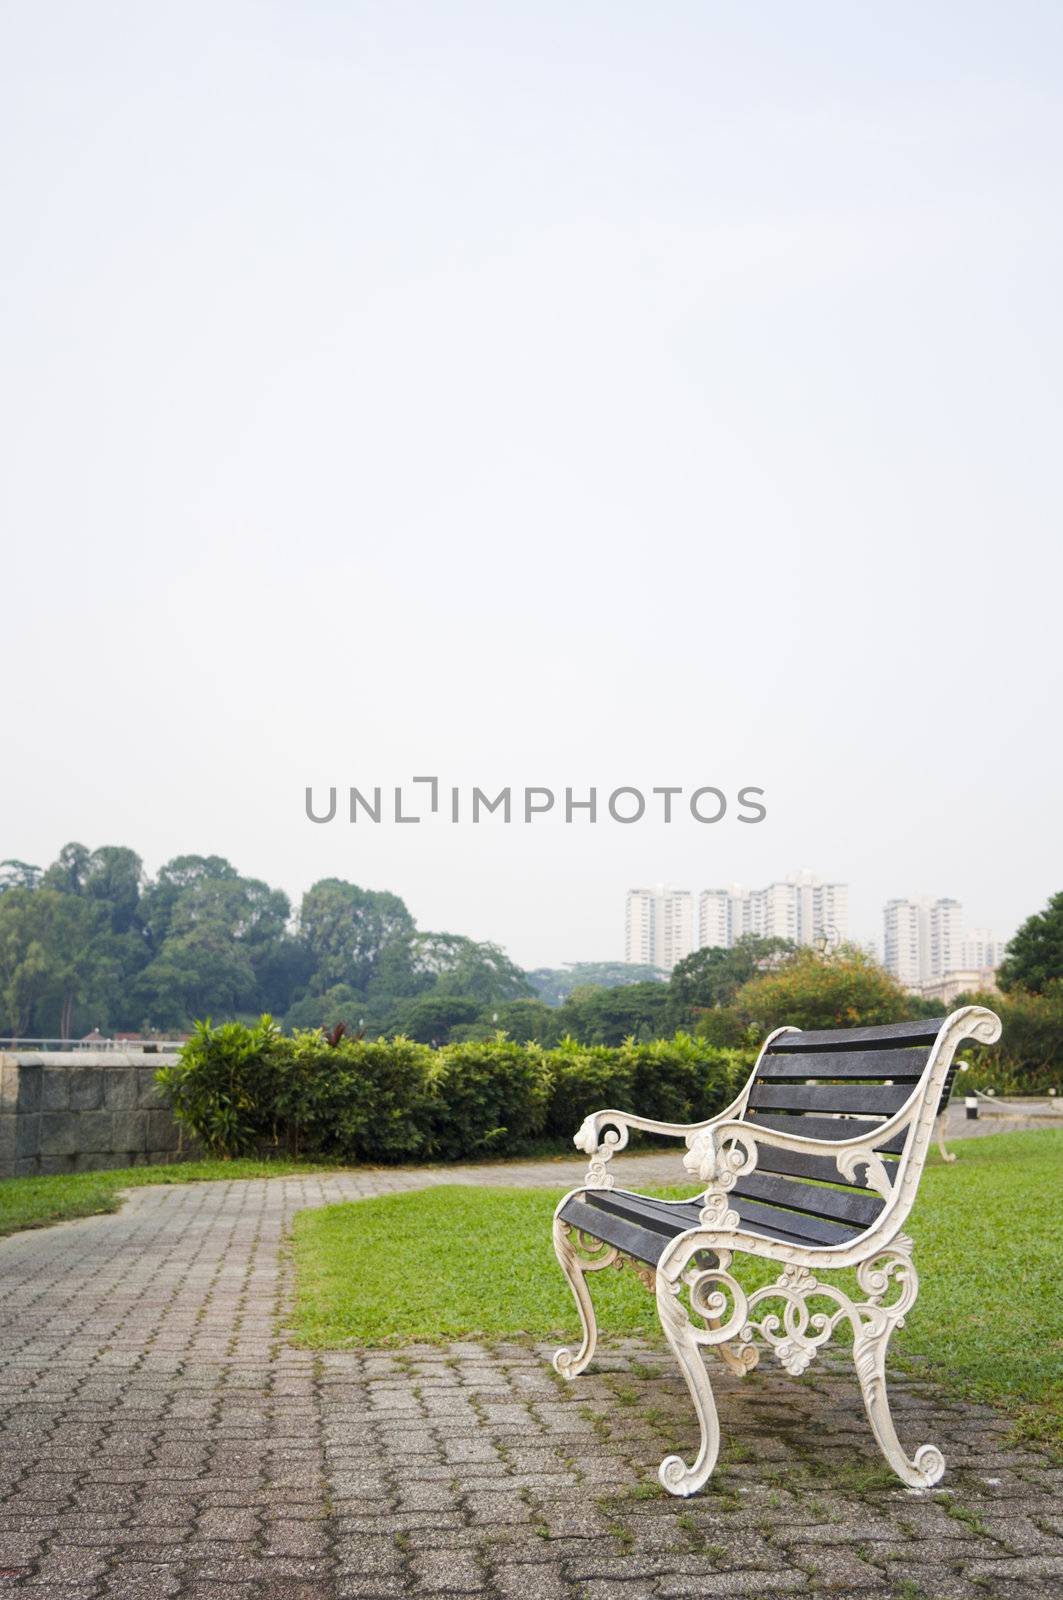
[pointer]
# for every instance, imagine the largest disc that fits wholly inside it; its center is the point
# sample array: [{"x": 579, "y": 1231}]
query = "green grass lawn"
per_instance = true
[
  {"x": 37, "y": 1202},
  {"x": 458, "y": 1261}
]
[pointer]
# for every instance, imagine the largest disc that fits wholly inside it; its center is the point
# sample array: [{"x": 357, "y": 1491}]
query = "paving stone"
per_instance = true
[
  {"x": 1048, "y": 1567},
  {"x": 835, "y": 1567},
  {"x": 447, "y": 1572},
  {"x": 523, "y": 1581},
  {"x": 786, "y": 1581}
]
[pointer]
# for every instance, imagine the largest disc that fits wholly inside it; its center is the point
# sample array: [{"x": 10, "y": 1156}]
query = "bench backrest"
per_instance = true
[{"x": 841, "y": 1083}]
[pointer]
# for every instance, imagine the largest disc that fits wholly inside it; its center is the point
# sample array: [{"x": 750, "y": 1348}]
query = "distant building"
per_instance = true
[
  {"x": 926, "y": 948},
  {"x": 720, "y": 916},
  {"x": 906, "y": 941},
  {"x": 946, "y": 937},
  {"x": 982, "y": 948},
  {"x": 801, "y": 908},
  {"x": 972, "y": 980},
  {"x": 659, "y": 926}
]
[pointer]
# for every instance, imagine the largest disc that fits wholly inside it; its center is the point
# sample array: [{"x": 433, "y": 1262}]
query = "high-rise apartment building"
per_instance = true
[
  {"x": 640, "y": 928},
  {"x": 717, "y": 916},
  {"x": 982, "y": 948},
  {"x": 924, "y": 941},
  {"x": 946, "y": 937},
  {"x": 659, "y": 926},
  {"x": 801, "y": 908},
  {"x": 906, "y": 941}
]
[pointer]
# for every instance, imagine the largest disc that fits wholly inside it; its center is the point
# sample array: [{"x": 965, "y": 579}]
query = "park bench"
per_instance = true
[{"x": 815, "y": 1166}]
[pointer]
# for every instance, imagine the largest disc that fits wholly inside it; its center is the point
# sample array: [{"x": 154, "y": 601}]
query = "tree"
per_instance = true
[
  {"x": 173, "y": 880},
  {"x": 239, "y": 923},
  {"x": 842, "y": 990},
  {"x": 714, "y": 975},
  {"x": 68, "y": 872},
  {"x": 524, "y": 1021},
  {"x": 555, "y": 984},
  {"x": 448, "y": 963},
  {"x": 430, "y": 1017},
  {"x": 54, "y": 955},
  {"x": 1034, "y": 958},
  {"x": 482, "y": 970},
  {"x": 346, "y": 929},
  {"x": 18, "y": 875},
  {"x": 81, "y": 964},
  {"x": 23, "y": 962},
  {"x": 340, "y": 1004},
  {"x": 197, "y": 974},
  {"x": 113, "y": 876},
  {"x": 609, "y": 1016}
]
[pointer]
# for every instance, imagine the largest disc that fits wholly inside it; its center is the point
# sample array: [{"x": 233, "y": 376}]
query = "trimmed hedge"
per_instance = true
[{"x": 242, "y": 1090}]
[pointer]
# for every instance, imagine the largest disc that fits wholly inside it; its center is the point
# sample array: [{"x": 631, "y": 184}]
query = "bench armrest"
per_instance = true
[{"x": 601, "y": 1134}]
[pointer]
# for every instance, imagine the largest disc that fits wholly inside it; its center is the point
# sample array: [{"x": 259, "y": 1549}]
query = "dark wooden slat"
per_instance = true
[
  {"x": 646, "y": 1241},
  {"x": 858, "y": 1097},
  {"x": 657, "y": 1215},
  {"x": 922, "y": 1031},
  {"x": 895, "y": 1064},
  {"x": 660, "y": 1216},
  {"x": 790, "y": 1227},
  {"x": 833, "y": 1128},
  {"x": 843, "y": 1205},
  {"x": 642, "y": 1243},
  {"x": 797, "y": 1165}
]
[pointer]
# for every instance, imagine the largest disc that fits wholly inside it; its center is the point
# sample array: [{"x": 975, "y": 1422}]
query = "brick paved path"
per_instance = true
[{"x": 159, "y": 1438}]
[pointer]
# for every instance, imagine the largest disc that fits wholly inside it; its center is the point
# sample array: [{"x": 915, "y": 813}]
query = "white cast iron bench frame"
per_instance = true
[{"x": 878, "y": 1166}]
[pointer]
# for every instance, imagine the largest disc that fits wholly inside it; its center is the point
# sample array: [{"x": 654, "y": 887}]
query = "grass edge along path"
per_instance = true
[
  {"x": 463, "y": 1261},
  {"x": 40, "y": 1202}
]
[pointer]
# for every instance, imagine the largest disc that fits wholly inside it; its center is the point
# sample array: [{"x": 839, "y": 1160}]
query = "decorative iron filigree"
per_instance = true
[{"x": 795, "y": 1336}]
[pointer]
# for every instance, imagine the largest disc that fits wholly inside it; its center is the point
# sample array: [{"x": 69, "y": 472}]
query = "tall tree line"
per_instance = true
[{"x": 93, "y": 942}]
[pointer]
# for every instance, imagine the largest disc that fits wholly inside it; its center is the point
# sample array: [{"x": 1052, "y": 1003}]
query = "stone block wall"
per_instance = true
[{"x": 83, "y": 1111}]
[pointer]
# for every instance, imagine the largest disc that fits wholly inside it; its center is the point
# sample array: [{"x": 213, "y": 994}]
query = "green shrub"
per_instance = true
[
  {"x": 684, "y": 1079},
  {"x": 358, "y": 1100},
  {"x": 242, "y": 1089},
  {"x": 224, "y": 1084},
  {"x": 585, "y": 1078},
  {"x": 489, "y": 1096}
]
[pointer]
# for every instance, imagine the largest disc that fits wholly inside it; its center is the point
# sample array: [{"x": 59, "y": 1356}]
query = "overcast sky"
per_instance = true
[{"x": 537, "y": 394}]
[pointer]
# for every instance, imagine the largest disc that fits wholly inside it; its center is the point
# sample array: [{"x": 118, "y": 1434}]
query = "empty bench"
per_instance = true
[{"x": 815, "y": 1166}]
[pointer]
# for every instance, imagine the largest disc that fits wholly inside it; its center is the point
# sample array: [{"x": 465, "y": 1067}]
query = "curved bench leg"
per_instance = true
[
  {"x": 939, "y": 1132},
  {"x": 674, "y": 1473},
  {"x": 927, "y": 1466},
  {"x": 575, "y": 1267}
]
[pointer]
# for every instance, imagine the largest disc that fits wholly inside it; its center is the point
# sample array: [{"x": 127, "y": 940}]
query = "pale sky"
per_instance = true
[{"x": 557, "y": 394}]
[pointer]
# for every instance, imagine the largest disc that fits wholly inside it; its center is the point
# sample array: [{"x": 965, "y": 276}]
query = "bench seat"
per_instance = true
[{"x": 641, "y": 1227}]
